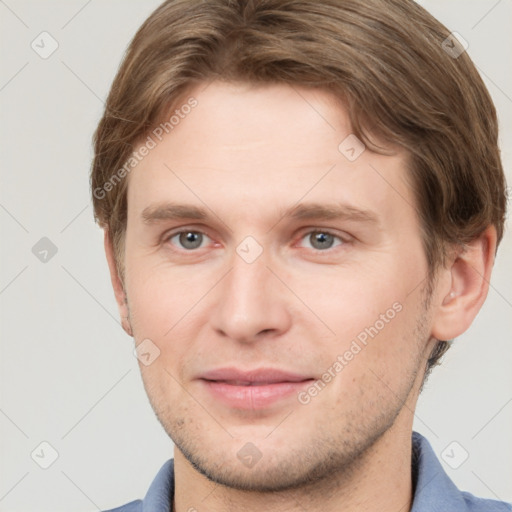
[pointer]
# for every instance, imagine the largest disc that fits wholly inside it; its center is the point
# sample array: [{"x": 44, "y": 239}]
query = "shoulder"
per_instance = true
[
  {"x": 159, "y": 496},
  {"x": 475, "y": 504},
  {"x": 133, "y": 506},
  {"x": 434, "y": 489}
]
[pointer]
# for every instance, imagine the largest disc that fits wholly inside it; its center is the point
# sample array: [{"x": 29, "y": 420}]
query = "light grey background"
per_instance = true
[{"x": 68, "y": 375}]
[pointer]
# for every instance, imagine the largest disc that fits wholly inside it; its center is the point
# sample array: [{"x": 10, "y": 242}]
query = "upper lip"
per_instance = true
[{"x": 255, "y": 376}]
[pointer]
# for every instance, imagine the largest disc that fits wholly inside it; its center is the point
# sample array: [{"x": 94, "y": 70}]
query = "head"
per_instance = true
[{"x": 252, "y": 112}]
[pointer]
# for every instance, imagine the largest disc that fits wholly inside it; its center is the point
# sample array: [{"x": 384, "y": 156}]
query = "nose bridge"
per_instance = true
[
  {"x": 248, "y": 281},
  {"x": 249, "y": 300}
]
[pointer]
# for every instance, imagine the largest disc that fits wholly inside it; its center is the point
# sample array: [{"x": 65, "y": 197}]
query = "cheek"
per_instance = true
[
  {"x": 159, "y": 298},
  {"x": 165, "y": 307},
  {"x": 378, "y": 326},
  {"x": 356, "y": 303},
  {"x": 371, "y": 378}
]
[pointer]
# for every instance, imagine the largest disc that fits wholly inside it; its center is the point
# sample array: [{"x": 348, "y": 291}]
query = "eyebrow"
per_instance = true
[{"x": 305, "y": 211}]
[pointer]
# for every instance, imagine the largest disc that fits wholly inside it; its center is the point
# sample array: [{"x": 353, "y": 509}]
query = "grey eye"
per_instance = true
[
  {"x": 189, "y": 239},
  {"x": 321, "y": 239}
]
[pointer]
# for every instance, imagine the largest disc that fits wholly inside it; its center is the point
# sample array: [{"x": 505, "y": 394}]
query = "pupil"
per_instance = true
[
  {"x": 190, "y": 240},
  {"x": 323, "y": 239}
]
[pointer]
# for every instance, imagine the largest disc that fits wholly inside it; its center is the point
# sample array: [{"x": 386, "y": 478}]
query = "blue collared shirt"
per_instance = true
[{"x": 434, "y": 490}]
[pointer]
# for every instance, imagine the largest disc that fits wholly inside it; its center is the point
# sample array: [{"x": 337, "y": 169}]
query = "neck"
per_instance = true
[{"x": 379, "y": 480}]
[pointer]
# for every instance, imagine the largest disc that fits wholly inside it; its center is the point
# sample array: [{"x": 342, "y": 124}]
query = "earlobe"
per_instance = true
[
  {"x": 117, "y": 284},
  {"x": 470, "y": 273}
]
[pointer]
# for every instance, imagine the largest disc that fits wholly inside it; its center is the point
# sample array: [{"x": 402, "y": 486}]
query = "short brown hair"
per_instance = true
[{"x": 387, "y": 60}]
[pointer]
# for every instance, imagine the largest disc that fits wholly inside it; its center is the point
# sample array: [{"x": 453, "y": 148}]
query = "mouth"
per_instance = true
[
  {"x": 253, "y": 383},
  {"x": 257, "y": 389}
]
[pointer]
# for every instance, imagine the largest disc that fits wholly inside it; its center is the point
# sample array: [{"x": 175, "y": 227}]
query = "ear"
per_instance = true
[
  {"x": 467, "y": 281},
  {"x": 117, "y": 284}
]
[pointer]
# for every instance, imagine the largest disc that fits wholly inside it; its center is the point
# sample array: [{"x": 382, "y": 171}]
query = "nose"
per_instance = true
[{"x": 251, "y": 303}]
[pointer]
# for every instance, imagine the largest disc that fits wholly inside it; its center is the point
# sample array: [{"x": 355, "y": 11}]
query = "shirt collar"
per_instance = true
[
  {"x": 434, "y": 489},
  {"x": 161, "y": 492}
]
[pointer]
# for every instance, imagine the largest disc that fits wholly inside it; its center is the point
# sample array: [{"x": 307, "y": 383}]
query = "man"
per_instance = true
[{"x": 302, "y": 202}]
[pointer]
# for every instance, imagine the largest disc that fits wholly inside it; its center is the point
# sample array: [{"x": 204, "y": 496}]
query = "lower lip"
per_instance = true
[{"x": 253, "y": 397}]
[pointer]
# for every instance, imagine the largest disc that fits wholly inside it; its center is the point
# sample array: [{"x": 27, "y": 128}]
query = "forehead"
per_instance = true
[{"x": 250, "y": 149}]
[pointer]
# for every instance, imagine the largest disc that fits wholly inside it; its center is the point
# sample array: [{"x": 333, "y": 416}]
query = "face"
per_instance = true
[{"x": 259, "y": 250}]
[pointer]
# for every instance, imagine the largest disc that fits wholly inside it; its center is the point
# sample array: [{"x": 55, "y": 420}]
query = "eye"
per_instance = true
[
  {"x": 321, "y": 240},
  {"x": 188, "y": 239}
]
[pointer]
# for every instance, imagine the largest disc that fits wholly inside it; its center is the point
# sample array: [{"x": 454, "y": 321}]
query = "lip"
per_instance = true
[
  {"x": 253, "y": 389},
  {"x": 255, "y": 376}
]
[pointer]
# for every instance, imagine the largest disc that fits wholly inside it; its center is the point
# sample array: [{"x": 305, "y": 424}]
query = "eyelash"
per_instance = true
[{"x": 343, "y": 240}]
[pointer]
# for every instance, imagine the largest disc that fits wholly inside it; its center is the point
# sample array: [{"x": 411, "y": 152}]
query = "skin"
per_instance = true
[{"x": 248, "y": 153}]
